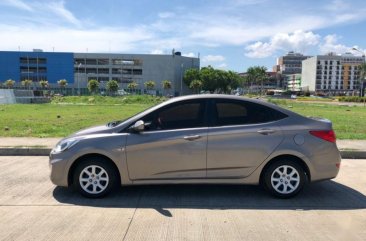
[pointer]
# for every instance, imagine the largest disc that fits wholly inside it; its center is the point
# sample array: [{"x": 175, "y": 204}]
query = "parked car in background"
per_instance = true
[{"x": 200, "y": 139}]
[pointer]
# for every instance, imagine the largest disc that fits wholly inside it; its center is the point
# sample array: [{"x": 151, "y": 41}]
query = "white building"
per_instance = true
[{"x": 335, "y": 74}]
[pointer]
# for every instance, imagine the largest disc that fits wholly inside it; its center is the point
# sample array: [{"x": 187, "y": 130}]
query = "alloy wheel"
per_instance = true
[{"x": 93, "y": 179}]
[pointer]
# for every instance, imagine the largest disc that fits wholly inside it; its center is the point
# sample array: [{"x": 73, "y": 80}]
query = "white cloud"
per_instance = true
[
  {"x": 297, "y": 41},
  {"x": 17, "y": 4},
  {"x": 59, "y": 9},
  {"x": 50, "y": 23},
  {"x": 222, "y": 66},
  {"x": 213, "y": 58},
  {"x": 259, "y": 50},
  {"x": 157, "y": 51},
  {"x": 166, "y": 15},
  {"x": 337, "y": 6},
  {"x": 71, "y": 40},
  {"x": 331, "y": 44},
  {"x": 192, "y": 55}
]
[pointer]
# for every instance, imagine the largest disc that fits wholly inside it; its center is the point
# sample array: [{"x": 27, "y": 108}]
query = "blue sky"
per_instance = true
[{"x": 228, "y": 34}]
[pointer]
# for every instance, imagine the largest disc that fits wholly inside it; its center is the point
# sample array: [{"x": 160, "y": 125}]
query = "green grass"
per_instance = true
[
  {"x": 349, "y": 122},
  {"x": 66, "y": 115}
]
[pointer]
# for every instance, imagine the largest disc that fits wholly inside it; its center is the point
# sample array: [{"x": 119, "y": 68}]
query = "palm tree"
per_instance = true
[
  {"x": 167, "y": 85},
  {"x": 256, "y": 75},
  {"x": 196, "y": 85},
  {"x": 9, "y": 83},
  {"x": 43, "y": 83},
  {"x": 93, "y": 85},
  {"x": 62, "y": 83},
  {"x": 112, "y": 86},
  {"x": 27, "y": 83},
  {"x": 150, "y": 84},
  {"x": 132, "y": 86}
]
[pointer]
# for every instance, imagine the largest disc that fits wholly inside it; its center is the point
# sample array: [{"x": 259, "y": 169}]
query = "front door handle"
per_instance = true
[
  {"x": 192, "y": 138},
  {"x": 266, "y": 131}
]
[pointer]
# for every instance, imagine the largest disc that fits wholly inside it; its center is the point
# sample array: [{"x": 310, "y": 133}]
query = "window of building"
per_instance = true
[
  {"x": 117, "y": 61},
  {"x": 103, "y": 71},
  {"x": 91, "y": 61},
  {"x": 116, "y": 71},
  {"x": 79, "y": 61},
  {"x": 91, "y": 70},
  {"x": 103, "y": 61},
  {"x": 137, "y": 71}
]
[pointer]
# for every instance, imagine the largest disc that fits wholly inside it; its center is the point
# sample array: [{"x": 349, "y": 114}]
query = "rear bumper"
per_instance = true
[{"x": 326, "y": 166}]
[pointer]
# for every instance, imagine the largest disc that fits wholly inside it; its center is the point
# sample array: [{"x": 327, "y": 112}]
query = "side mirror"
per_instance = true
[{"x": 139, "y": 126}]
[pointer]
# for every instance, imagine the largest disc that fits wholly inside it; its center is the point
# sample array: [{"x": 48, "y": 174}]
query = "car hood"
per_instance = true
[{"x": 93, "y": 130}]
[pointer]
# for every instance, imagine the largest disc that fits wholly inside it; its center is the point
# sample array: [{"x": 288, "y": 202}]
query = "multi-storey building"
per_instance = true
[
  {"x": 294, "y": 82},
  {"x": 79, "y": 68},
  {"x": 334, "y": 74},
  {"x": 288, "y": 65}
]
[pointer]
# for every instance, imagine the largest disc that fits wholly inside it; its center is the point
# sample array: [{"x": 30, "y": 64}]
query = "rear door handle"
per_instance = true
[
  {"x": 266, "y": 131},
  {"x": 192, "y": 138}
]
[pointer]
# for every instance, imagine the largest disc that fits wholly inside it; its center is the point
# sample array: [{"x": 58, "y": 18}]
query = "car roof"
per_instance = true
[{"x": 229, "y": 97}]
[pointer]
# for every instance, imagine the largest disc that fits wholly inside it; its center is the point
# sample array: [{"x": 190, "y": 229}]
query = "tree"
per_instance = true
[
  {"x": 43, "y": 83},
  {"x": 213, "y": 79},
  {"x": 27, "y": 83},
  {"x": 256, "y": 75},
  {"x": 132, "y": 86},
  {"x": 196, "y": 85},
  {"x": 190, "y": 75},
  {"x": 62, "y": 83},
  {"x": 112, "y": 86},
  {"x": 93, "y": 85},
  {"x": 9, "y": 83},
  {"x": 150, "y": 85},
  {"x": 167, "y": 85}
]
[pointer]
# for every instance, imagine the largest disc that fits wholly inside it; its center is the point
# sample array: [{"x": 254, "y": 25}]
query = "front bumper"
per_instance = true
[{"x": 58, "y": 168}]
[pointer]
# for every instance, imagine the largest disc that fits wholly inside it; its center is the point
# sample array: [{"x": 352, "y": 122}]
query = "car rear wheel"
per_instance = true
[
  {"x": 94, "y": 177},
  {"x": 284, "y": 179}
]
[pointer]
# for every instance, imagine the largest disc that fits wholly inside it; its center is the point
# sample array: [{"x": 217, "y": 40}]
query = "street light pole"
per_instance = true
[
  {"x": 78, "y": 77},
  {"x": 181, "y": 78},
  {"x": 361, "y": 80}
]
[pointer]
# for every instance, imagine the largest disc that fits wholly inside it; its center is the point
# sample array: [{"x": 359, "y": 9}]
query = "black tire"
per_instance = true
[
  {"x": 287, "y": 185},
  {"x": 100, "y": 182}
]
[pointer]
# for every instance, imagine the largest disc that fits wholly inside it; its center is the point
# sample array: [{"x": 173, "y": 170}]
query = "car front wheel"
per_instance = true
[
  {"x": 94, "y": 177},
  {"x": 284, "y": 179}
]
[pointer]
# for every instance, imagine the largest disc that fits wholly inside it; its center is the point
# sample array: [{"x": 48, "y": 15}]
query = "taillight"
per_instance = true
[{"x": 325, "y": 135}]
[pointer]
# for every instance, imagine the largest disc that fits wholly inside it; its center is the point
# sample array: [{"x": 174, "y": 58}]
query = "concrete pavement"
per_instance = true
[
  {"x": 30, "y": 146},
  {"x": 32, "y": 208}
]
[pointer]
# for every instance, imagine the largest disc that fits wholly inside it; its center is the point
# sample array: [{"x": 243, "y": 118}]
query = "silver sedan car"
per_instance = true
[{"x": 200, "y": 139}]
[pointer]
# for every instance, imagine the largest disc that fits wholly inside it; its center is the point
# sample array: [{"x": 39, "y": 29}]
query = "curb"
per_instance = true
[
  {"x": 353, "y": 154},
  {"x": 28, "y": 151},
  {"x": 24, "y": 151}
]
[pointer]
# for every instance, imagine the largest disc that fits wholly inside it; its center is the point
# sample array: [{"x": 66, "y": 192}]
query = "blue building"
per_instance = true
[
  {"x": 79, "y": 68},
  {"x": 36, "y": 66}
]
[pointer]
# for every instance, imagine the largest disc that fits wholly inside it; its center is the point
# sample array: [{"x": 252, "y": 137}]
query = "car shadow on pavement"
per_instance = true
[{"x": 327, "y": 195}]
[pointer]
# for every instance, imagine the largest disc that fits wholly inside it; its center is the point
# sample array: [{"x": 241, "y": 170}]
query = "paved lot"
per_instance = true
[{"x": 31, "y": 208}]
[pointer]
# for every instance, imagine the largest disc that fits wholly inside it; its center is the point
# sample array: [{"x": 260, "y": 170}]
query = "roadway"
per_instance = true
[{"x": 32, "y": 208}]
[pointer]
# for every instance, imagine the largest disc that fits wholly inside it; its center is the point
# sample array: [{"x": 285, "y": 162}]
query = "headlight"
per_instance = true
[{"x": 64, "y": 145}]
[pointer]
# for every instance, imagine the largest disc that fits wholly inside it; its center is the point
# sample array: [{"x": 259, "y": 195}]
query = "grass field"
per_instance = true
[{"x": 67, "y": 115}]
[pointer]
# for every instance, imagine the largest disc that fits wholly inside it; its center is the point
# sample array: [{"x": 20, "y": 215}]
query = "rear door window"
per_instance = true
[{"x": 232, "y": 112}]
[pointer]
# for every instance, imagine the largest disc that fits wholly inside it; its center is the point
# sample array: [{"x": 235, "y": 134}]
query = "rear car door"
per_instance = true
[{"x": 242, "y": 135}]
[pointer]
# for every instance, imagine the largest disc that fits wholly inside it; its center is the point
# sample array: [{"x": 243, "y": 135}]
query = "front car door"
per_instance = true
[
  {"x": 173, "y": 144},
  {"x": 243, "y": 134}
]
